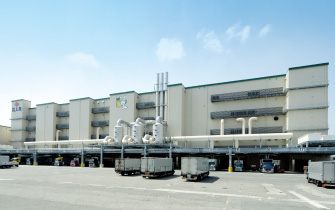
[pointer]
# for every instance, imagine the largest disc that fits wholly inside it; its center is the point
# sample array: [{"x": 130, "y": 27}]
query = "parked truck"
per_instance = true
[
  {"x": 74, "y": 162},
  {"x": 238, "y": 165},
  {"x": 212, "y": 164},
  {"x": 152, "y": 167},
  {"x": 127, "y": 166},
  {"x": 59, "y": 161},
  {"x": 6, "y": 163},
  {"x": 194, "y": 168},
  {"x": 266, "y": 166},
  {"x": 321, "y": 173},
  {"x": 16, "y": 160},
  {"x": 93, "y": 162}
]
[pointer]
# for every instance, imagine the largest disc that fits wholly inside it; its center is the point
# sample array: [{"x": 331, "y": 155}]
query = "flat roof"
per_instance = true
[{"x": 308, "y": 66}]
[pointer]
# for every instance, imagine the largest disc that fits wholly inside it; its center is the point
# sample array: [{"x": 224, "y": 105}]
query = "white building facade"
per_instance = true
[{"x": 295, "y": 102}]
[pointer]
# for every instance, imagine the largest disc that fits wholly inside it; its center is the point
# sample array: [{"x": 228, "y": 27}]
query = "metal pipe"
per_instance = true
[
  {"x": 157, "y": 96},
  {"x": 222, "y": 127},
  {"x": 166, "y": 95},
  {"x": 243, "y": 124},
  {"x": 161, "y": 95},
  {"x": 243, "y": 131},
  {"x": 250, "y": 123},
  {"x": 98, "y": 132},
  {"x": 88, "y": 141},
  {"x": 233, "y": 137},
  {"x": 57, "y": 136},
  {"x": 119, "y": 122}
]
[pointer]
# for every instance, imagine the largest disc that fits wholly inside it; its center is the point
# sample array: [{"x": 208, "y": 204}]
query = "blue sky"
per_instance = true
[{"x": 53, "y": 51}]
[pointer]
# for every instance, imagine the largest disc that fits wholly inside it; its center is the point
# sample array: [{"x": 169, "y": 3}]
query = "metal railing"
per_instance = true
[
  {"x": 31, "y": 128},
  {"x": 101, "y": 136},
  {"x": 145, "y": 105},
  {"x": 62, "y": 126},
  {"x": 255, "y": 130},
  {"x": 100, "y": 123},
  {"x": 63, "y": 114},
  {"x": 247, "y": 113},
  {"x": 31, "y": 117},
  {"x": 261, "y": 93},
  {"x": 100, "y": 110}
]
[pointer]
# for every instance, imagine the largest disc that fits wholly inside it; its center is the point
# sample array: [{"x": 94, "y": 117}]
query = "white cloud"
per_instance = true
[
  {"x": 170, "y": 49},
  {"x": 264, "y": 31},
  {"x": 211, "y": 41},
  {"x": 238, "y": 31},
  {"x": 83, "y": 59}
]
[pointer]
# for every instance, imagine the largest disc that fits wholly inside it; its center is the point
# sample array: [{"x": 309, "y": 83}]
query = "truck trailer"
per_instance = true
[
  {"x": 321, "y": 173},
  {"x": 152, "y": 167},
  {"x": 127, "y": 166},
  {"x": 194, "y": 168},
  {"x": 6, "y": 163}
]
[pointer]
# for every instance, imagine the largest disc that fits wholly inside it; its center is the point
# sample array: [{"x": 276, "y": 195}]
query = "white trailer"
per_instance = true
[
  {"x": 127, "y": 166},
  {"x": 156, "y": 167},
  {"x": 194, "y": 168},
  {"x": 321, "y": 173},
  {"x": 6, "y": 163}
]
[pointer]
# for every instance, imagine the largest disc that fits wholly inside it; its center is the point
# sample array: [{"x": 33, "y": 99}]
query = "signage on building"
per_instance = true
[
  {"x": 17, "y": 107},
  {"x": 121, "y": 102}
]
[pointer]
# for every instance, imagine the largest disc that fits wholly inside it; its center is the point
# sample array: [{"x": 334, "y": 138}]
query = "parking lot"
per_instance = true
[{"x": 50, "y": 187}]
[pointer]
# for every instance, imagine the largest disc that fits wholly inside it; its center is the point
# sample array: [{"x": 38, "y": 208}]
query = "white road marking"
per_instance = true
[
  {"x": 272, "y": 190},
  {"x": 65, "y": 183},
  {"x": 206, "y": 193},
  {"x": 6, "y": 179},
  {"x": 314, "y": 191},
  {"x": 313, "y": 203}
]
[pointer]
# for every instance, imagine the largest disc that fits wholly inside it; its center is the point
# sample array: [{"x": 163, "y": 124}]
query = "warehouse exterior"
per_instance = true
[{"x": 295, "y": 102}]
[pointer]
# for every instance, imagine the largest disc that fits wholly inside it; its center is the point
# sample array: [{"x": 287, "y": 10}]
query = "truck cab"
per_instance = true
[
  {"x": 74, "y": 163},
  {"x": 238, "y": 165},
  {"x": 93, "y": 162},
  {"x": 212, "y": 163},
  {"x": 59, "y": 161},
  {"x": 16, "y": 160},
  {"x": 266, "y": 166}
]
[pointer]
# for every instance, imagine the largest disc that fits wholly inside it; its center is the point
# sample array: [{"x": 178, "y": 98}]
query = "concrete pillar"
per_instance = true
[
  {"x": 230, "y": 168},
  {"x": 101, "y": 157}
]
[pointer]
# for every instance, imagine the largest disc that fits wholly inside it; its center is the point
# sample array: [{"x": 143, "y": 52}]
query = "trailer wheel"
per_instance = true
[
  {"x": 309, "y": 180},
  {"x": 318, "y": 183},
  {"x": 122, "y": 173}
]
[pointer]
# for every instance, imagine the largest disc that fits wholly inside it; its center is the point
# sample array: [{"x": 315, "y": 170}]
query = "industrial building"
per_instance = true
[
  {"x": 4, "y": 135},
  {"x": 266, "y": 112}
]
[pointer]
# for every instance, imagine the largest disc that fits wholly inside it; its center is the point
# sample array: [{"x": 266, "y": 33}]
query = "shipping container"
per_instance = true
[
  {"x": 156, "y": 167},
  {"x": 127, "y": 166},
  {"x": 194, "y": 168},
  {"x": 321, "y": 173}
]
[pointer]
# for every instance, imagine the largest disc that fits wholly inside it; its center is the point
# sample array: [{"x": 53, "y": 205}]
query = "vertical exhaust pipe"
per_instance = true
[
  {"x": 166, "y": 96},
  {"x": 161, "y": 93},
  {"x": 157, "y": 96},
  {"x": 250, "y": 123}
]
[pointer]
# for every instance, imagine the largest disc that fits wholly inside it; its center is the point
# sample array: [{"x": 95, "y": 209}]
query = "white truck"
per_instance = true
[
  {"x": 194, "y": 168},
  {"x": 321, "y": 173},
  {"x": 152, "y": 167},
  {"x": 6, "y": 163},
  {"x": 127, "y": 166}
]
